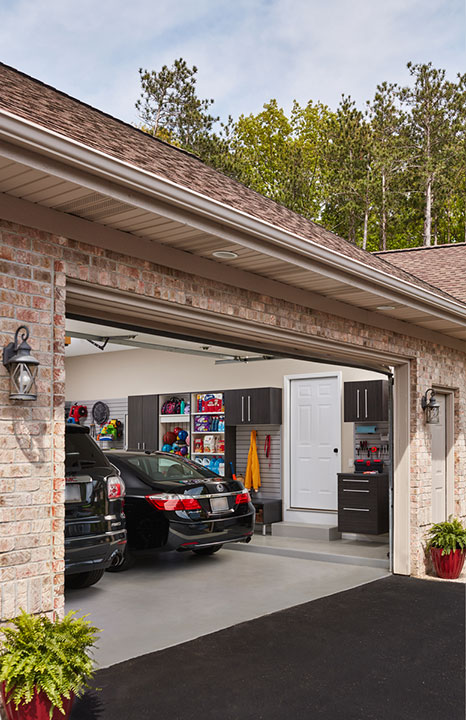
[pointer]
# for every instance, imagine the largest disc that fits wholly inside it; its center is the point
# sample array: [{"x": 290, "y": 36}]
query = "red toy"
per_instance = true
[{"x": 78, "y": 413}]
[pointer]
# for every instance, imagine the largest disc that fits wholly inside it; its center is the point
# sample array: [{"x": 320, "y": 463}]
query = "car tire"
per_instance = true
[
  {"x": 127, "y": 561},
  {"x": 208, "y": 550},
  {"x": 83, "y": 580}
]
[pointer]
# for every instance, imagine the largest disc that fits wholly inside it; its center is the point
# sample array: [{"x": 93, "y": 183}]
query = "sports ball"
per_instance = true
[
  {"x": 182, "y": 435},
  {"x": 169, "y": 437}
]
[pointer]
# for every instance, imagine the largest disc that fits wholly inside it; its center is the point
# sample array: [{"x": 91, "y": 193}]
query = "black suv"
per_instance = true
[{"x": 95, "y": 534}]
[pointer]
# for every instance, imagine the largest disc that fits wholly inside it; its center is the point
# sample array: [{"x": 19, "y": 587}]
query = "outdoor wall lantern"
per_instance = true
[
  {"x": 22, "y": 367},
  {"x": 431, "y": 407}
]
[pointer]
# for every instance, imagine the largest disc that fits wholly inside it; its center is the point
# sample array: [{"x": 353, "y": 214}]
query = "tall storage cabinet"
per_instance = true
[{"x": 143, "y": 422}]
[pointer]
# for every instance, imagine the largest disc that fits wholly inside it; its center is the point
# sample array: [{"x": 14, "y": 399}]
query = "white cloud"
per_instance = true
[{"x": 247, "y": 51}]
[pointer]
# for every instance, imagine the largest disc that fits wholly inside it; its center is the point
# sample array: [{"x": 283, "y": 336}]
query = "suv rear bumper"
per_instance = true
[{"x": 94, "y": 552}]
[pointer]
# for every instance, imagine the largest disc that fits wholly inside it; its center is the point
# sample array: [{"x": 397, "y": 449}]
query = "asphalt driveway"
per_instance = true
[{"x": 390, "y": 650}]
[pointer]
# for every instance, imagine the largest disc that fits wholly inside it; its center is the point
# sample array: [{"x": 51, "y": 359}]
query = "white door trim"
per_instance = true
[
  {"x": 289, "y": 513},
  {"x": 450, "y": 446}
]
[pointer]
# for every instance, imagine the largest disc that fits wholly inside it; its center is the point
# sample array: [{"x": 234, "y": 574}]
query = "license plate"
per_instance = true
[
  {"x": 73, "y": 493},
  {"x": 219, "y": 504}
]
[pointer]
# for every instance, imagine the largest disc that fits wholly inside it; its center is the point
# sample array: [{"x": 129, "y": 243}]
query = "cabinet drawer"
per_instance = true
[
  {"x": 357, "y": 520},
  {"x": 357, "y": 498}
]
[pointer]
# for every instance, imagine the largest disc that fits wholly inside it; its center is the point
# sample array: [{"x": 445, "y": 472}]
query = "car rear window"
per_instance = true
[
  {"x": 165, "y": 468},
  {"x": 90, "y": 455}
]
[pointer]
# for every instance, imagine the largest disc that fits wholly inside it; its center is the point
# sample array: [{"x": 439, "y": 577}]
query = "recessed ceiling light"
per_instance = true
[
  {"x": 225, "y": 254},
  {"x": 385, "y": 307}
]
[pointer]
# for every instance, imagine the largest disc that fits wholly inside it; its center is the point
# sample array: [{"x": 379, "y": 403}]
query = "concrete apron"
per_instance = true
[{"x": 179, "y": 597}]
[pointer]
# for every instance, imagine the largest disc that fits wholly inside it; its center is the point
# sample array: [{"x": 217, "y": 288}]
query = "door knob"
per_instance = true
[{"x": 335, "y": 450}]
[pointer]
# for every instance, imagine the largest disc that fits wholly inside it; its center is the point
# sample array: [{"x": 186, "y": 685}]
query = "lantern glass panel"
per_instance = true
[
  {"x": 23, "y": 382},
  {"x": 433, "y": 415}
]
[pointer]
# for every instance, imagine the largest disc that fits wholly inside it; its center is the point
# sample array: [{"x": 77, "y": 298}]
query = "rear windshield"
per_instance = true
[
  {"x": 89, "y": 455},
  {"x": 159, "y": 468}
]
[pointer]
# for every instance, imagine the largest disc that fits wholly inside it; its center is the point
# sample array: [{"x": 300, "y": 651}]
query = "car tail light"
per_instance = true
[
  {"x": 243, "y": 497},
  {"x": 115, "y": 487},
  {"x": 165, "y": 501}
]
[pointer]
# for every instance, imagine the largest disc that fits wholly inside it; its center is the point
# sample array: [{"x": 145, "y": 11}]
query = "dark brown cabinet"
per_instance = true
[
  {"x": 143, "y": 422},
  {"x": 363, "y": 503},
  {"x": 366, "y": 401},
  {"x": 254, "y": 406}
]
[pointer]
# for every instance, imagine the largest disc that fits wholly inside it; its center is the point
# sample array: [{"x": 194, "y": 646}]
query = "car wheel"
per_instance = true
[
  {"x": 83, "y": 580},
  {"x": 125, "y": 563},
  {"x": 208, "y": 550}
]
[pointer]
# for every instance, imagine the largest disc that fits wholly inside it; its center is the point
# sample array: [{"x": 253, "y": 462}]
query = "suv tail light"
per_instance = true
[
  {"x": 165, "y": 501},
  {"x": 242, "y": 497},
  {"x": 115, "y": 487}
]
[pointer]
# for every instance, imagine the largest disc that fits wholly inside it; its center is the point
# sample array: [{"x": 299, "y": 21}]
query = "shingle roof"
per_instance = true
[
  {"x": 444, "y": 265},
  {"x": 43, "y": 105}
]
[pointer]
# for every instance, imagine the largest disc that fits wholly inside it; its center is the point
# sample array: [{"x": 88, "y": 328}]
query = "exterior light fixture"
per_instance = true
[
  {"x": 431, "y": 407},
  {"x": 225, "y": 254},
  {"x": 385, "y": 307},
  {"x": 22, "y": 367}
]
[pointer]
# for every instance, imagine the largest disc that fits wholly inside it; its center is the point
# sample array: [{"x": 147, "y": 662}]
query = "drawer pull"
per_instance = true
[
  {"x": 354, "y": 480},
  {"x": 357, "y": 509},
  {"x": 347, "y": 490}
]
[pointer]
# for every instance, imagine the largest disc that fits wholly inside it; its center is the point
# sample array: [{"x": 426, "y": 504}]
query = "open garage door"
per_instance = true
[{"x": 129, "y": 310}]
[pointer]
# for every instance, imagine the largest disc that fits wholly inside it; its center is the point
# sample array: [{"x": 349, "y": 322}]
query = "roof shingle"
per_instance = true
[
  {"x": 43, "y": 105},
  {"x": 444, "y": 265}
]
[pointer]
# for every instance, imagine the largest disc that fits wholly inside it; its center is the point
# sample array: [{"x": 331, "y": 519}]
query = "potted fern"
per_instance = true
[
  {"x": 447, "y": 545},
  {"x": 44, "y": 665}
]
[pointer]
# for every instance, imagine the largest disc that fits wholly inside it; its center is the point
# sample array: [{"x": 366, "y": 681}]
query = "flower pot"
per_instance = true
[
  {"x": 447, "y": 566},
  {"x": 37, "y": 709}
]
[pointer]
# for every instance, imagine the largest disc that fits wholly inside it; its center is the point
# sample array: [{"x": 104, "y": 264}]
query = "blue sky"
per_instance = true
[{"x": 247, "y": 51}]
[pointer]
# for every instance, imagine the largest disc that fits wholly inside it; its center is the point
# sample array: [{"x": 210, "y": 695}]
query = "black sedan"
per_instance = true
[{"x": 175, "y": 504}]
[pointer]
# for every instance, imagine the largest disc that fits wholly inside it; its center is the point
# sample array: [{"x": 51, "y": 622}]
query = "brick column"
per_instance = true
[{"x": 31, "y": 433}]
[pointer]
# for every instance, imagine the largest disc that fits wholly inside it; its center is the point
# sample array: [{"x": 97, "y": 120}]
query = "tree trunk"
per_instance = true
[
  {"x": 428, "y": 213},
  {"x": 366, "y": 214},
  {"x": 383, "y": 228}
]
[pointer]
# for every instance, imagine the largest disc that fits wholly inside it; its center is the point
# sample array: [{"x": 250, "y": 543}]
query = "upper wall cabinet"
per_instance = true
[
  {"x": 143, "y": 422},
  {"x": 255, "y": 406},
  {"x": 366, "y": 401}
]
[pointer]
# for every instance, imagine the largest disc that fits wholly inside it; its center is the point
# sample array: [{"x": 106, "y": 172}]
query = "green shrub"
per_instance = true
[
  {"x": 50, "y": 656},
  {"x": 449, "y": 535}
]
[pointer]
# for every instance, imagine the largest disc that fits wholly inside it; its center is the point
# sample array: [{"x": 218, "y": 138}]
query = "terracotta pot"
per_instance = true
[
  {"x": 447, "y": 566},
  {"x": 37, "y": 709}
]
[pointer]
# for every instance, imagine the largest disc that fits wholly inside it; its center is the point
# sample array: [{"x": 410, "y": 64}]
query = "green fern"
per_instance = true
[
  {"x": 52, "y": 657},
  {"x": 449, "y": 535}
]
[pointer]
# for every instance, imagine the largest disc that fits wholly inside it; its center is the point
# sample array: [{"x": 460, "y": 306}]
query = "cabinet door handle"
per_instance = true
[
  {"x": 365, "y": 400},
  {"x": 356, "y": 509},
  {"x": 249, "y": 408},
  {"x": 143, "y": 445},
  {"x": 139, "y": 445},
  {"x": 242, "y": 408},
  {"x": 357, "y": 401}
]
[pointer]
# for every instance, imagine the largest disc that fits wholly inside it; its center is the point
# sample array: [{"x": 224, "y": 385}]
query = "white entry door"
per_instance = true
[
  {"x": 315, "y": 442},
  {"x": 439, "y": 464}
]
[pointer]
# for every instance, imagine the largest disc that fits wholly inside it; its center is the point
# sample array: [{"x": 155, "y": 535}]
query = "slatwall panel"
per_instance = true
[
  {"x": 118, "y": 411},
  {"x": 382, "y": 429},
  {"x": 271, "y": 484}
]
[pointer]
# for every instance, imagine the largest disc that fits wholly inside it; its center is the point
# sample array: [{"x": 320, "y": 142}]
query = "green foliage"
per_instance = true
[
  {"x": 50, "y": 656},
  {"x": 170, "y": 109},
  {"x": 449, "y": 535},
  {"x": 389, "y": 177}
]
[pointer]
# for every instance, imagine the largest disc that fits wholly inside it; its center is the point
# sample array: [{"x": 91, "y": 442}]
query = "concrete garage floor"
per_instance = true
[{"x": 179, "y": 597}]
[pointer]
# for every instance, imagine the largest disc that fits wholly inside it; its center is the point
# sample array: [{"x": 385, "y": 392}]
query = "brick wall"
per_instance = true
[{"x": 33, "y": 270}]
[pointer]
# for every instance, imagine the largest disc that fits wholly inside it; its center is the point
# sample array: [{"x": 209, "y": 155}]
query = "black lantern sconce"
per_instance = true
[
  {"x": 22, "y": 367},
  {"x": 431, "y": 407}
]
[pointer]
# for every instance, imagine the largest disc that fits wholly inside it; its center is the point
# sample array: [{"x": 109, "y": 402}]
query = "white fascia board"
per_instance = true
[{"x": 44, "y": 141}]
